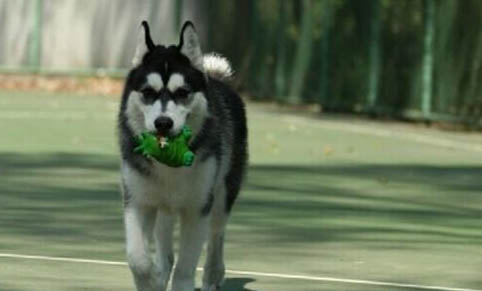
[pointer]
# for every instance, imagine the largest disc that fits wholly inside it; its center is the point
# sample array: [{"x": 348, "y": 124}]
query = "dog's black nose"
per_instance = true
[{"x": 163, "y": 124}]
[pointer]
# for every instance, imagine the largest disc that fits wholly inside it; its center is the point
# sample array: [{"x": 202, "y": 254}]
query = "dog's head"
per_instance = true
[{"x": 166, "y": 88}]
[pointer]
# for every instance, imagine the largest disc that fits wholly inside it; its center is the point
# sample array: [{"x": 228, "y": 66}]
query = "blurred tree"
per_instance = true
[
  {"x": 374, "y": 55},
  {"x": 242, "y": 40},
  {"x": 457, "y": 59},
  {"x": 36, "y": 42},
  {"x": 178, "y": 8},
  {"x": 427, "y": 64},
  {"x": 445, "y": 76},
  {"x": 303, "y": 55},
  {"x": 414, "y": 59},
  {"x": 280, "y": 71},
  {"x": 327, "y": 23},
  {"x": 246, "y": 43},
  {"x": 475, "y": 77}
]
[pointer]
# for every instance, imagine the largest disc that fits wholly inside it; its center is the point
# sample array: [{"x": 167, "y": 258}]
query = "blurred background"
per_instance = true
[
  {"x": 418, "y": 59},
  {"x": 364, "y": 122}
]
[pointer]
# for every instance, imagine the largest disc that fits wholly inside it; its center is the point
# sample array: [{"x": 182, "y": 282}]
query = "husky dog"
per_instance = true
[{"x": 170, "y": 87}]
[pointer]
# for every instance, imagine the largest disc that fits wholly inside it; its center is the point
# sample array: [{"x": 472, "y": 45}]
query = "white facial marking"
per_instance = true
[
  {"x": 135, "y": 117},
  {"x": 192, "y": 114},
  {"x": 155, "y": 81},
  {"x": 151, "y": 113},
  {"x": 141, "y": 116},
  {"x": 178, "y": 114},
  {"x": 175, "y": 81}
]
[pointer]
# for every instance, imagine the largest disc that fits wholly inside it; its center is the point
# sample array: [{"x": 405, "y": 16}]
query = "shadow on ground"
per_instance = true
[
  {"x": 236, "y": 284},
  {"x": 73, "y": 197}
]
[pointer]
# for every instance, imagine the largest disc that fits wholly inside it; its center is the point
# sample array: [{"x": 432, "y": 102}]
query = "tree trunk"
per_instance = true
[
  {"x": 374, "y": 55},
  {"x": 280, "y": 71},
  {"x": 427, "y": 63},
  {"x": 328, "y": 11},
  {"x": 303, "y": 55},
  {"x": 36, "y": 36}
]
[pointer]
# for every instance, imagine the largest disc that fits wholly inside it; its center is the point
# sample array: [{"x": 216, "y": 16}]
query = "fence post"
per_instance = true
[
  {"x": 374, "y": 56},
  {"x": 427, "y": 65},
  {"x": 35, "y": 49},
  {"x": 328, "y": 11},
  {"x": 303, "y": 55},
  {"x": 179, "y": 4},
  {"x": 280, "y": 70}
]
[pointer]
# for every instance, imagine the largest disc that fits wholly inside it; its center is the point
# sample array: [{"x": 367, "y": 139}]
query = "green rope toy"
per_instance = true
[{"x": 172, "y": 151}]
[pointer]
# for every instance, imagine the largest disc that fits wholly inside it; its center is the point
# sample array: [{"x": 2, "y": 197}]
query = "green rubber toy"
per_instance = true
[{"x": 172, "y": 151}]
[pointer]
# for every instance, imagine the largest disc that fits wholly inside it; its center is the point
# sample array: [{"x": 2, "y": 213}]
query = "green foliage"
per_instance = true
[
  {"x": 458, "y": 59},
  {"x": 352, "y": 57}
]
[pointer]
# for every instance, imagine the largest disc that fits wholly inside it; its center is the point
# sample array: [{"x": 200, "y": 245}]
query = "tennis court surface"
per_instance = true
[{"x": 329, "y": 204}]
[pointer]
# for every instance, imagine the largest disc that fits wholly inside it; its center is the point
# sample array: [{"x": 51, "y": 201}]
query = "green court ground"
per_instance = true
[{"x": 329, "y": 203}]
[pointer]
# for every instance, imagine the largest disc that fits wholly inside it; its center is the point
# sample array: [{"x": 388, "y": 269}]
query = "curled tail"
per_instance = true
[{"x": 217, "y": 67}]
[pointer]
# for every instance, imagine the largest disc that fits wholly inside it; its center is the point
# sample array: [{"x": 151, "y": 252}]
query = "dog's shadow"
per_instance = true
[{"x": 235, "y": 284}]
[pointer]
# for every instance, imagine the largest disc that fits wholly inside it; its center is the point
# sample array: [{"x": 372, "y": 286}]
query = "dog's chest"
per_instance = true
[{"x": 173, "y": 188}]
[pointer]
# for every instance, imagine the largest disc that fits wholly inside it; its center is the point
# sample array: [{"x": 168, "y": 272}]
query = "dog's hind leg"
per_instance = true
[
  {"x": 139, "y": 222},
  {"x": 163, "y": 237},
  {"x": 193, "y": 234},
  {"x": 214, "y": 268}
]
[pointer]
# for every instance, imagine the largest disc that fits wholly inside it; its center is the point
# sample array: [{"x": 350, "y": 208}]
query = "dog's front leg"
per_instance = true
[
  {"x": 139, "y": 222},
  {"x": 164, "y": 255},
  {"x": 193, "y": 234}
]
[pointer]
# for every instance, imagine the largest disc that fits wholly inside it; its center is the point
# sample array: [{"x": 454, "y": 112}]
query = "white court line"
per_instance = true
[
  {"x": 257, "y": 274},
  {"x": 372, "y": 130}
]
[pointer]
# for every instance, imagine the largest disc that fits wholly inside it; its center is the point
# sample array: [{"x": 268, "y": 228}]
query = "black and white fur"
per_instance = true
[{"x": 168, "y": 88}]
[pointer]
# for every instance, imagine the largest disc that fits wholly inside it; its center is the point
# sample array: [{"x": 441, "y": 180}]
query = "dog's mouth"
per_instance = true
[
  {"x": 166, "y": 134},
  {"x": 160, "y": 134},
  {"x": 162, "y": 138}
]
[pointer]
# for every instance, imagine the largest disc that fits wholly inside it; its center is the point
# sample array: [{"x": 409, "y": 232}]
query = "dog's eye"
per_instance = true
[
  {"x": 149, "y": 93},
  {"x": 181, "y": 93}
]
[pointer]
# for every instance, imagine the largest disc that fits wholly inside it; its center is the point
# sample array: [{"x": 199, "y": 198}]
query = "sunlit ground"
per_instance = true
[{"x": 324, "y": 197}]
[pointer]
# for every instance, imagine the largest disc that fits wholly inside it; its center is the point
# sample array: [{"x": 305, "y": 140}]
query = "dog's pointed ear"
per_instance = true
[
  {"x": 189, "y": 45},
  {"x": 144, "y": 43}
]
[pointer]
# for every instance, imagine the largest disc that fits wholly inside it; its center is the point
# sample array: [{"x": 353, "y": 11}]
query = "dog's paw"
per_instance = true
[
  {"x": 213, "y": 277},
  {"x": 214, "y": 287}
]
